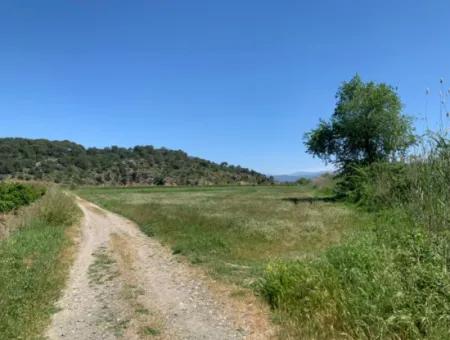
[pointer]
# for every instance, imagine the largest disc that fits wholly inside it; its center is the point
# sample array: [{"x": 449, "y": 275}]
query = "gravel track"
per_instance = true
[{"x": 124, "y": 284}]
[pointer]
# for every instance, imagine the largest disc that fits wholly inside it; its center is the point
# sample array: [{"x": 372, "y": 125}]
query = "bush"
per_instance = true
[
  {"x": 420, "y": 186},
  {"x": 376, "y": 186},
  {"x": 15, "y": 195}
]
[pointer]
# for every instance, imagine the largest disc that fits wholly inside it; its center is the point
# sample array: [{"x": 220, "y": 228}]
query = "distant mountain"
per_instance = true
[
  {"x": 68, "y": 162},
  {"x": 297, "y": 175}
]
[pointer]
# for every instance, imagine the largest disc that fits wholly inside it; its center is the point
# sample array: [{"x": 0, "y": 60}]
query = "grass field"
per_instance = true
[
  {"x": 233, "y": 232},
  {"x": 328, "y": 269}
]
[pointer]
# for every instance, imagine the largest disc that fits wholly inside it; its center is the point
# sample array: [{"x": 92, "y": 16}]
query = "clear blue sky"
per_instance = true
[{"x": 237, "y": 80}]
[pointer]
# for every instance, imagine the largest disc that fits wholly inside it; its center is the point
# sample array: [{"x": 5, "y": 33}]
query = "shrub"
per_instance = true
[
  {"x": 376, "y": 186},
  {"x": 15, "y": 195}
]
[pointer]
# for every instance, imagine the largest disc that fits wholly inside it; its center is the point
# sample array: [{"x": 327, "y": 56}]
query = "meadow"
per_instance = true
[
  {"x": 363, "y": 268},
  {"x": 236, "y": 233},
  {"x": 233, "y": 232}
]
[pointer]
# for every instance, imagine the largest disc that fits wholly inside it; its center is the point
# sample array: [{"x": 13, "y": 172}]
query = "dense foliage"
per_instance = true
[
  {"x": 367, "y": 126},
  {"x": 67, "y": 162},
  {"x": 15, "y": 195}
]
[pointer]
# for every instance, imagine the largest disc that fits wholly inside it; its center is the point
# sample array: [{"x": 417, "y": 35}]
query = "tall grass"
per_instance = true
[
  {"x": 33, "y": 264},
  {"x": 429, "y": 198},
  {"x": 387, "y": 284},
  {"x": 391, "y": 282}
]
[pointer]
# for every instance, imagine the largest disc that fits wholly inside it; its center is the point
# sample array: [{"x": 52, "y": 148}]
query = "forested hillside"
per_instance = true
[{"x": 68, "y": 162}]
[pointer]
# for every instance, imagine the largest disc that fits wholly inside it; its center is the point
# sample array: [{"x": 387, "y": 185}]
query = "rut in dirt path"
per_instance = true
[{"x": 124, "y": 284}]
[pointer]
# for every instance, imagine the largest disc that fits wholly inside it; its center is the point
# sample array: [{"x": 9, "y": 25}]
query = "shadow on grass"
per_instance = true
[{"x": 310, "y": 200}]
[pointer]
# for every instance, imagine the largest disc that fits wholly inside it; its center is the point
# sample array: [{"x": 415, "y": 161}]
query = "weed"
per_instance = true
[
  {"x": 150, "y": 331},
  {"x": 141, "y": 310}
]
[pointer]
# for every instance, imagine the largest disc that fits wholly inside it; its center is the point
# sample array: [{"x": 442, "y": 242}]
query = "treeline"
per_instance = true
[{"x": 68, "y": 162}]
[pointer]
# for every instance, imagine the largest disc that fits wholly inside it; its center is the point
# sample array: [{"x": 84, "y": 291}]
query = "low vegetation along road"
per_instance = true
[{"x": 125, "y": 284}]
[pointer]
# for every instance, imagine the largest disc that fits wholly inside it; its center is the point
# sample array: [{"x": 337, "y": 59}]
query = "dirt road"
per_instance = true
[{"x": 124, "y": 284}]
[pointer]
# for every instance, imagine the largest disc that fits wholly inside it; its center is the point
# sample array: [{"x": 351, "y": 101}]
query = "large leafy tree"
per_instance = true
[{"x": 367, "y": 126}]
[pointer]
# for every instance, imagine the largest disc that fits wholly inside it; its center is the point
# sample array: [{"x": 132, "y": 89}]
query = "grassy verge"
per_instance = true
[{"x": 33, "y": 265}]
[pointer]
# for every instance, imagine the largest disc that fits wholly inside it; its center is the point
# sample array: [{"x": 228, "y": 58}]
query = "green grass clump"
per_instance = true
[
  {"x": 151, "y": 331},
  {"x": 32, "y": 266},
  {"x": 14, "y": 195}
]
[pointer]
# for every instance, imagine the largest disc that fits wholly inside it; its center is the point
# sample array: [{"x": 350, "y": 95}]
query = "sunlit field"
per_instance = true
[{"x": 233, "y": 232}]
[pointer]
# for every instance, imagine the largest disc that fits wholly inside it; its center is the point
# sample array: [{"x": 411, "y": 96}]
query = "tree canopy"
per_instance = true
[
  {"x": 367, "y": 126},
  {"x": 67, "y": 162}
]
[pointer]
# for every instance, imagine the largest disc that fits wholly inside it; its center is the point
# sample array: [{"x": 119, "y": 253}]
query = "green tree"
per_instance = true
[{"x": 367, "y": 126}]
